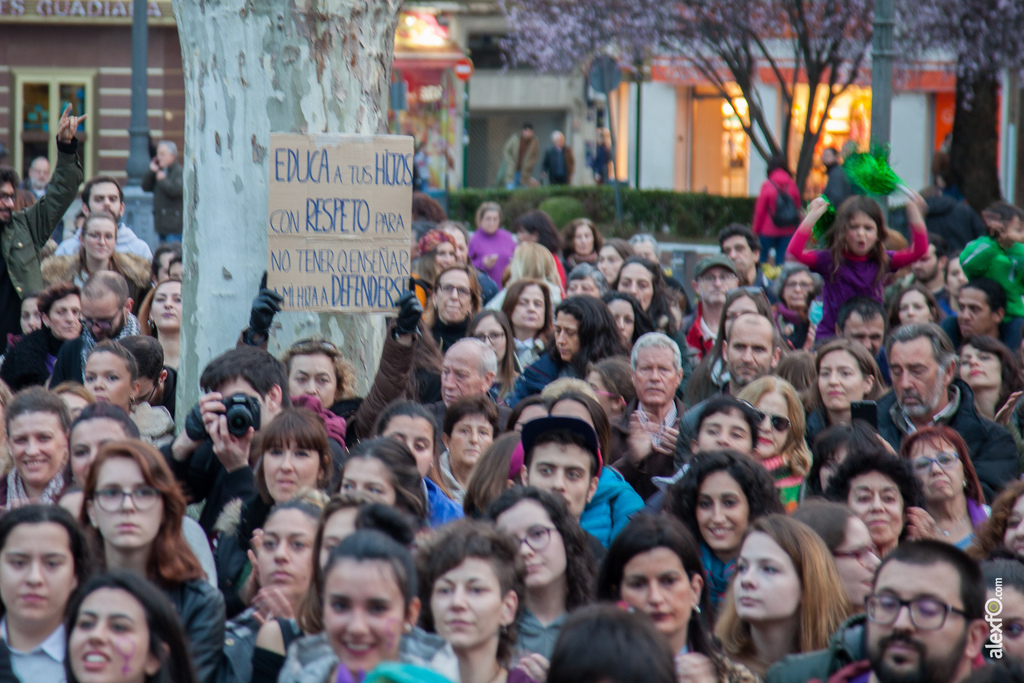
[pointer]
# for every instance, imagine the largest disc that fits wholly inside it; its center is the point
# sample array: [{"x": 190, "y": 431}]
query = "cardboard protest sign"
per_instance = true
[{"x": 339, "y": 221}]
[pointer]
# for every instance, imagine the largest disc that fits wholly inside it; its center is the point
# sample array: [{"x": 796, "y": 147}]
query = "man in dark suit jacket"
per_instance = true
[{"x": 164, "y": 180}]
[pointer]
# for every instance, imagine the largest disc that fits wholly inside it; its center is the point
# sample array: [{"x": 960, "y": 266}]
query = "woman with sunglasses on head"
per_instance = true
[
  {"x": 44, "y": 557},
  {"x": 121, "y": 629},
  {"x": 30, "y": 362},
  {"x": 559, "y": 564},
  {"x": 795, "y": 289},
  {"x": 133, "y": 508},
  {"x": 952, "y": 493},
  {"x": 493, "y": 329},
  {"x": 781, "y": 447}
]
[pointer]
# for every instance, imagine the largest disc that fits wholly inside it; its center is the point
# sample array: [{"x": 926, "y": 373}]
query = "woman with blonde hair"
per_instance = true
[
  {"x": 97, "y": 252},
  {"x": 793, "y": 608},
  {"x": 533, "y": 261},
  {"x": 781, "y": 447}
]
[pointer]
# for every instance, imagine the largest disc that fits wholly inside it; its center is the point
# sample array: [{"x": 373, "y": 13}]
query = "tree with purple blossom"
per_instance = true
[{"x": 821, "y": 42}]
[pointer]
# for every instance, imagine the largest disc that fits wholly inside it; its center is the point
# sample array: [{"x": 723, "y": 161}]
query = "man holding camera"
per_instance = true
[{"x": 245, "y": 389}]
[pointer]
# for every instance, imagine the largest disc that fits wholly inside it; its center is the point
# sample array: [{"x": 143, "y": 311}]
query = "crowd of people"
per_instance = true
[{"x": 564, "y": 469}]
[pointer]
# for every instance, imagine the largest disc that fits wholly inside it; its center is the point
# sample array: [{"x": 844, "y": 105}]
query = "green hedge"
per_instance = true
[{"x": 682, "y": 214}]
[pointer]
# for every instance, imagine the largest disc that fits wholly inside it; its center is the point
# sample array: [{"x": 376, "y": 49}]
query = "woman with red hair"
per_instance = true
[
  {"x": 133, "y": 508},
  {"x": 952, "y": 492}
]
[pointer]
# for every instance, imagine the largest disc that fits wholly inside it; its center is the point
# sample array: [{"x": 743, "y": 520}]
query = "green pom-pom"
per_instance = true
[
  {"x": 872, "y": 172},
  {"x": 824, "y": 224}
]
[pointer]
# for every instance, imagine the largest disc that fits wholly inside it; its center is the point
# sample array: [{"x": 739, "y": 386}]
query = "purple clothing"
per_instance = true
[
  {"x": 519, "y": 676},
  {"x": 501, "y": 243},
  {"x": 854, "y": 278}
]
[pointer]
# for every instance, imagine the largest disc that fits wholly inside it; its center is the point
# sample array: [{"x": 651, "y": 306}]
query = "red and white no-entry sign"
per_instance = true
[{"x": 463, "y": 69}]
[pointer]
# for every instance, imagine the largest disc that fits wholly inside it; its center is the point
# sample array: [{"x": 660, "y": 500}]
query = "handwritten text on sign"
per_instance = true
[{"x": 340, "y": 221}]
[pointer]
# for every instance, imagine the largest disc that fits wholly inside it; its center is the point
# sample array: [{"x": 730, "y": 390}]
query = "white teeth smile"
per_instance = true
[{"x": 95, "y": 658}]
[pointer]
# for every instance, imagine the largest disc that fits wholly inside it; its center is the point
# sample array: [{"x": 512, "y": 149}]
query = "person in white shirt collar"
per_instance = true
[{"x": 43, "y": 559}]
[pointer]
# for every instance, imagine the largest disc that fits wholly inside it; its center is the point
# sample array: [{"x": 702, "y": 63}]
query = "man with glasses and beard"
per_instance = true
[
  {"x": 106, "y": 314},
  {"x": 925, "y": 623},
  {"x": 23, "y": 233}
]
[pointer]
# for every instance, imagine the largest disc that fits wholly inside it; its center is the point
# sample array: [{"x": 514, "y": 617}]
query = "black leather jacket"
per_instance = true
[{"x": 201, "y": 609}]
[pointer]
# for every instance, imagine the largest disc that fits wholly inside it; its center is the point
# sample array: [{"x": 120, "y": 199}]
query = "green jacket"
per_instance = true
[
  {"x": 30, "y": 228},
  {"x": 844, "y": 647},
  {"x": 984, "y": 257}
]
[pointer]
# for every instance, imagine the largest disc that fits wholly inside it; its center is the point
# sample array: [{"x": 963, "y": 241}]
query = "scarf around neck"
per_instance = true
[{"x": 17, "y": 496}]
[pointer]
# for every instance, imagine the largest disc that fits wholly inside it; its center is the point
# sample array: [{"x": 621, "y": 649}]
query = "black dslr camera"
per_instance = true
[{"x": 241, "y": 410}]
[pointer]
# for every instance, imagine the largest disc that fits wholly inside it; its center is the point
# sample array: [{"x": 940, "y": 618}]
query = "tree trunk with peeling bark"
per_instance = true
[{"x": 253, "y": 67}]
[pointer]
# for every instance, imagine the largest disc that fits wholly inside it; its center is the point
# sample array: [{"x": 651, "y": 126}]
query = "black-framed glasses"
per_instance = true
[
  {"x": 112, "y": 499},
  {"x": 492, "y": 337},
  {"x": 927, "y": 614},
  {"x": 102, "y": 324},
  {"x": 537, "y": 537},
  {"x": 945, "y": 460},
  {"x": 447, "y": 289}
]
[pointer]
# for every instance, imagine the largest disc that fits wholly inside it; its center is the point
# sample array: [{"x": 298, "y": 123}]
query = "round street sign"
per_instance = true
[
  {"x": 605, "y": 75},
  {"x": 463, "y": 69}
]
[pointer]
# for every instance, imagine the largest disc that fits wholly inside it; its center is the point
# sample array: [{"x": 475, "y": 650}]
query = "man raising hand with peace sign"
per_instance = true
[{"x": 23, "y": 233}]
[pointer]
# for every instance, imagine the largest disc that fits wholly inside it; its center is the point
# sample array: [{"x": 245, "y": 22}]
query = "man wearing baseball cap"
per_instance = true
[
  {"x": 561, "y": 456},
  {"x": 714, "y": 277}
]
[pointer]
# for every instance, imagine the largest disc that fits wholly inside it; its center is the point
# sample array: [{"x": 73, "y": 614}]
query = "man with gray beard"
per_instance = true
[{"x": 926, "y": 391}]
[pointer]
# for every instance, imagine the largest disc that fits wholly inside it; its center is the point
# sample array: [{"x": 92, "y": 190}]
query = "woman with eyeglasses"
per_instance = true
[
  {"x": 30, "y": 362},
  {"x": 952, "y": 493},
  {"x": 721, "y": 493},
  {"x": 849, "y": 541},
  {"x": 493, "y": 329},
  {"x": 780, "y": 438},
  {"x": 795, "y": 289},
  {"x": 455, "y": 299},
  {"x": 133, "y": 509},
  {"x": 112, "y": 375},
  {"x": 559, "y": 564},
  {"x": 98, "y": 252},
  {"x": 37, "y": 438}
]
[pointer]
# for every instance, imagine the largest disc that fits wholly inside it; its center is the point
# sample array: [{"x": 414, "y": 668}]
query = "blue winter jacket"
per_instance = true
[
  {"x": 536, "y": 376},
  {"x": 609, "y": 510},
  {"x": 440, "y": 508}
]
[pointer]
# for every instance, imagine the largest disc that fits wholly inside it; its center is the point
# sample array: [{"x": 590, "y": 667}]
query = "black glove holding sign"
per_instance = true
[
  {"x": 409, "y": 313},
  {"x": 265, "y": 306}
]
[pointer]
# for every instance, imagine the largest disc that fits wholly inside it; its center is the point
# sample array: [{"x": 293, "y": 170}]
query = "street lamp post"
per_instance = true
[
  {"x": 882, "y": 55},
  {"x": 139, "y": 204}
]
